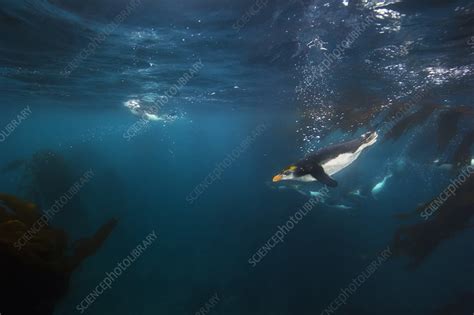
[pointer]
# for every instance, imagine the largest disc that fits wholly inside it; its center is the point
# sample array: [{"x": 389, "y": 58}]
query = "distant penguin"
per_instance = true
[
  {"x": 327, "y": 161},
  {"x": 443, "y": 166},
  {"x": 400, "y": 165},
  {"x": 341, "y": 207},
  {"x": 357, "y": 193},
  {"x": 380, "y": 186},
  {"x": 317, "y": 194}
]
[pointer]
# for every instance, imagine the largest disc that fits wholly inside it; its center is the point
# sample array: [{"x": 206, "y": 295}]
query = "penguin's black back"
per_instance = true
[{"x": 330, "y": 152}]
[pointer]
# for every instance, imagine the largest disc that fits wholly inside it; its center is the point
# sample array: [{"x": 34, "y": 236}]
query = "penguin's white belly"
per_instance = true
[
  {"x": 305, "y": 178},
  {"x": 333, "y": 166},
  {"x": 337, "y": 164}
]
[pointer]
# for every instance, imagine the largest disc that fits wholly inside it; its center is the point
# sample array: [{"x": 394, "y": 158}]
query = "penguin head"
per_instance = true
[{"x": 287, "y": 174}]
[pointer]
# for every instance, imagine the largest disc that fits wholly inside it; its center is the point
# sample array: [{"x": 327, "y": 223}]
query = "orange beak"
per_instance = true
[{"x": 277, "y": 178}]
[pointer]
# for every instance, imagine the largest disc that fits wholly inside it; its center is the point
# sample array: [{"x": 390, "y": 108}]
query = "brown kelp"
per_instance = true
[
  {"x": 420, "y": 239},
  {"x": 86, "y": 247},
  {"x": 412, "y": 214},
  {"x": 13, "y": 165},
  {"x": 349, "y": 111},
  {"x": 447, "y": 127},
  {"x": 35, "y": 275},
  {"x": 44, "y": 178},
  {"x": 356, "y": 109},
  {"x": 46, "y": 175},
  {"x": 352, "y": 118},
  {"x": 462, "y": 155},
  {"x": 462, "y": 304},
  {"x": 410, "y": 121}
]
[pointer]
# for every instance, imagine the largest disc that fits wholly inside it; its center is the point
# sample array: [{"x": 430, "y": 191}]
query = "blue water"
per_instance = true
[{"x": 259, "y": 75}]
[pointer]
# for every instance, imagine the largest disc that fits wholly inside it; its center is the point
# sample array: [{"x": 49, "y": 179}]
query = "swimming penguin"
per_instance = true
[
  {"x": 341, "y": 207},
  {"x": 318, "y": 194},
  {"x": 380, "y": 186},
  {"x": 357, "y": 193},
  {"x": 327, "y": 161},
  {"x": 445, "y": 166}
]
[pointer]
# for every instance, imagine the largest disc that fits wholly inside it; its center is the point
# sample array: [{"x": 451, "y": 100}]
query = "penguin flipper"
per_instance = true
[{"x": 321, "y": 176}]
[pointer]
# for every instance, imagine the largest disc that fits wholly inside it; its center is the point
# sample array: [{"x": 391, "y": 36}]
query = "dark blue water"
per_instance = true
[{"x": 274, "y": 84}]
